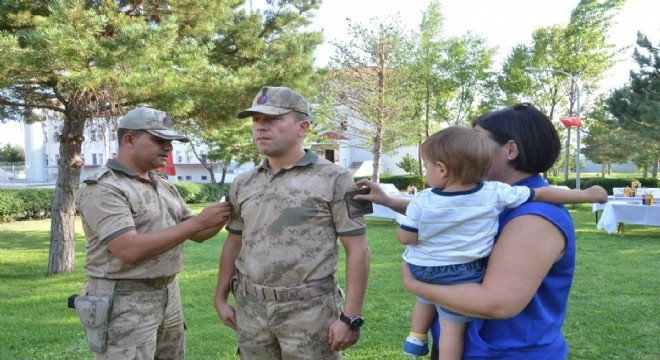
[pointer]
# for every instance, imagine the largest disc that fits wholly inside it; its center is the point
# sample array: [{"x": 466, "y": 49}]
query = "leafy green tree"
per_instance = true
[
  {"x": 605, "y": 142},
  {"x": 448, "y": 76},
  {"x": 409, "y": 164},
  {"x": 97, "y": 59},
  {"x": 12, "y": 154},
  {"x": 368, "y": 82},
  {"x": 581, "y": 49},
  {"x": 636, "y": 106}
]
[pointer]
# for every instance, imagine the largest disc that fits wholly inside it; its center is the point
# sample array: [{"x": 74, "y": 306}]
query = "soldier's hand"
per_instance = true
[
  {"x": 340, "y": 337},
  {"x": 226, "y": 313},
  {"x": 215, "y": 215}
]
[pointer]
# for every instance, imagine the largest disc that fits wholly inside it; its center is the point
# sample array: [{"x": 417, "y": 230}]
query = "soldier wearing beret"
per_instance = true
[{"x": 280, "y": 258}]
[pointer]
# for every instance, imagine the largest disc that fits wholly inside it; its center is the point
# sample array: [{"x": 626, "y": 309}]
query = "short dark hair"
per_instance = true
[
  {"x": 121, "y": 132},
  {"x": 532, "y": 131},
  {"x": 467, "y": 153},
  {"x": 299, "y": 116}
]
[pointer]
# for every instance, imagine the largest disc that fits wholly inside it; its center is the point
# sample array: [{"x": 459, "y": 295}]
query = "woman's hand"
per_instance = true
[{"x": 406, "y": 276}]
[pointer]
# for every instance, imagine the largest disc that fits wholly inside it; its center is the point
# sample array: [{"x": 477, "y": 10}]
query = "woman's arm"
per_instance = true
[{"x": 521, "y": 258}]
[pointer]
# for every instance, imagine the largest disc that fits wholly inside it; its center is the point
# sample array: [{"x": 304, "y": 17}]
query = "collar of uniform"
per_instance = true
[
  {"x": 309, "y": 158},
  {"x": 116, "y": 166}
]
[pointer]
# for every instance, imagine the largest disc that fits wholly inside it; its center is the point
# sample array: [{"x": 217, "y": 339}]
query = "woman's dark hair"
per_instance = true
[{"x": 532, "y": 131}]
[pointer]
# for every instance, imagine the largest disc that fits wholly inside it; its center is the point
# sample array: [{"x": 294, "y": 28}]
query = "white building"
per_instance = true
[{"x": 42, "y": 144}]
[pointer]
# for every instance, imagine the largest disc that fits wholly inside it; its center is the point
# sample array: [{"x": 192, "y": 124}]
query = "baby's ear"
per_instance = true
[{"x": 441, "y": 167}]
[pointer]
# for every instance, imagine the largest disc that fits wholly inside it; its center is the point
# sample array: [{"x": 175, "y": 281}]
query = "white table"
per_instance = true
[
  {"x": 616, "y": 213},
  {"x": 629, "y": 200},
  {"x": 385, "y": 212},
  {"x": 596, "y": 207}
]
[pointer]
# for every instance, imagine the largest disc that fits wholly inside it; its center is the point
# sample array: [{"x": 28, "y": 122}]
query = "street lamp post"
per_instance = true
[{"x": 577, "y": 113}]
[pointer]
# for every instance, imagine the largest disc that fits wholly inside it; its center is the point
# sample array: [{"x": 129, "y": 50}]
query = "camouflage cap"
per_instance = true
[
  {"x": 273, "y": 100},
  {"x": 155, "y": 122}
]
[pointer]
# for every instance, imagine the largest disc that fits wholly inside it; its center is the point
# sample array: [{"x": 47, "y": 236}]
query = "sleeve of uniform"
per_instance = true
[
  {"x": 344, "y": 225},
  {"x": 106, "y": 211},
  {"x": 235, "y": 223},
  {"x": 413, "y": 214}
]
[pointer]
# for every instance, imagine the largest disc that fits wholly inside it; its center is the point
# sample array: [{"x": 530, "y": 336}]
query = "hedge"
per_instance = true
[
  {"x": 20, "y": 204},
  {"x": 607, "y": 183},
  {"x": 194, "y": 193},
  {"x": 24, "y": 204}
]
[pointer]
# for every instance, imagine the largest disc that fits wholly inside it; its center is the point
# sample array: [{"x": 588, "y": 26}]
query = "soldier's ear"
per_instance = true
[
  {"x": 303, "y": 127},
  {"x": 129, "y": 139}
]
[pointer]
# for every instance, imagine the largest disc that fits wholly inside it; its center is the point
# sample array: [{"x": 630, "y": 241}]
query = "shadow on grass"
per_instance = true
[{"x": 24, "y": 240}]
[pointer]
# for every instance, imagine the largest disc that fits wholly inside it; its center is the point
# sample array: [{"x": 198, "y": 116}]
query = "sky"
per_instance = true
[{"x": 504, "y": 23}]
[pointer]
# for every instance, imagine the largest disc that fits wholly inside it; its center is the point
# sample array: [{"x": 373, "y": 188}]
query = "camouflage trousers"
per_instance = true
[
  {"x": 292, "y": 330},
  {"x": 145, "y": 323}
]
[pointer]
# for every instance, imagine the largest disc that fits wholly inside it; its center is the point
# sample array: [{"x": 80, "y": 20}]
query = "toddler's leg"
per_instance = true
[
  {"x": 422, "y": 317},
  {"x": 452, "y": 339},
  {"x": 416, "y": 343}
]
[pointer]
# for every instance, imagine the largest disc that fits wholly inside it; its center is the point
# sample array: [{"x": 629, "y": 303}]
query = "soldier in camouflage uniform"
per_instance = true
[
  {"x": 135, "y": 223},
  {"x": 281, "y": 255}
]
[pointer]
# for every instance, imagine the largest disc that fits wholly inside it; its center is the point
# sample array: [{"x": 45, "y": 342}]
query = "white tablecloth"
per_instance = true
[
  {"x": 385, "y": 212},
  {"x": 628, "y": 200},
  {"x": 620, "y": 212}
]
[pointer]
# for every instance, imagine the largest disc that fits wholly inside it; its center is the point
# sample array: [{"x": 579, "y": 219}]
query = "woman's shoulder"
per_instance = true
[{"x": 553, "y": 213}]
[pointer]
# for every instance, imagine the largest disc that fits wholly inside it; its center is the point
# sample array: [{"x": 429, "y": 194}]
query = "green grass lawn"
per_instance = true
[{"x": 614, "y": 309}]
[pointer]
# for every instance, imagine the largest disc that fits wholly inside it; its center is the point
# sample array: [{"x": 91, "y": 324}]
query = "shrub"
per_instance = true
[
  {"x": 401, "y": 181},
  {"x": 190, "y": 192},
  {"x": 25, "y": 204},
  {"x": 194, "y": 193},
  {"x": 607, "y": 183}
]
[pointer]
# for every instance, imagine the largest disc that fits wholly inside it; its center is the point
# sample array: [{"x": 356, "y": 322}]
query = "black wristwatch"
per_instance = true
[{"x": 354, "y": 323}]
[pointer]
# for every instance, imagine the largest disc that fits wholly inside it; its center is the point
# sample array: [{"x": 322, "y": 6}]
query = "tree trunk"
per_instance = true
[
  {"x": 655, "y": 168},
  {"x": 62, "y": 232},
  {"x": 378, "y": 150},
  {"x": 419, "y": 159},
  {"x": 568, "y": 157},
  {"x": 225, "y": 166}
]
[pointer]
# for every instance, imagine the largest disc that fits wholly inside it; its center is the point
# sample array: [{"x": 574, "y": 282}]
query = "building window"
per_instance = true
[
  {"x": 92, "y": 134},
  {"x": 188, "y": 177},
  {"x": 114, "y": 155},
  {"x": 100, "y": 158},
  {"x": 56, "y": 137},
  {"x": 46, "y": 160},
  {"x": 94, "y": 159},
  {"x": 179, "y": 177},
  {"x": 179, "y": 158},
  {"x": 203, "y": 156},
  {"x": 82, "y": 157},
  {"x": 204, "y": 177}
]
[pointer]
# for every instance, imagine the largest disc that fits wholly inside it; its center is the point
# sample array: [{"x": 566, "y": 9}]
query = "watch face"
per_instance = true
[{"x": 356, "y": 323}]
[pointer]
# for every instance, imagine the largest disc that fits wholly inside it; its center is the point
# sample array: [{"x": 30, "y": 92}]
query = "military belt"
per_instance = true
[
  {"x": 289, "y": 293},
  {"x": 136, "y": 284}
]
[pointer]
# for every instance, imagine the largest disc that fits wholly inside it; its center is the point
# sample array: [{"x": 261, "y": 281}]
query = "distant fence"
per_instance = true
[{"x": 12, "y": 172}]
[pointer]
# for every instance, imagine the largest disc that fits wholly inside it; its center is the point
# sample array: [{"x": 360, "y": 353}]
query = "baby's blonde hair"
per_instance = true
[{"x": 467, "y": 153}]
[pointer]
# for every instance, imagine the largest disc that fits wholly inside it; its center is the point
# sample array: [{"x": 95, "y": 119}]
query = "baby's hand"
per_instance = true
[{"x": 597, "y": 194}]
